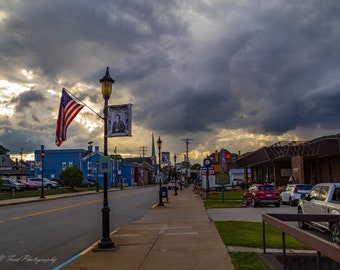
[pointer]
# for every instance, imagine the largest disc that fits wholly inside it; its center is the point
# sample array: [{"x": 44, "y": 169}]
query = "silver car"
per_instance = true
[
  {"x": 47, "y": 183},
  {"x": 292, "y": 193},
  {"x": 12, "y": 185}
]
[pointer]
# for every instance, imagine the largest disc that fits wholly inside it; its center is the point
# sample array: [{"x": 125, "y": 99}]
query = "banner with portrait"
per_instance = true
[
  {"x": 166, "y": 158},
  {"x": 119, "y": 120}
]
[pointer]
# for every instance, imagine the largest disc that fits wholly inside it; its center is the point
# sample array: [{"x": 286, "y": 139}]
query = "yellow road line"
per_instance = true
[
  {"x": 15, "y": 218},
  {"x": 65, "y": 207}
]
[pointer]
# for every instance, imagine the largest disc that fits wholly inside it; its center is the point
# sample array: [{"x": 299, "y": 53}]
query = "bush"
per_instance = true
[{"x": 72, "y": 177}]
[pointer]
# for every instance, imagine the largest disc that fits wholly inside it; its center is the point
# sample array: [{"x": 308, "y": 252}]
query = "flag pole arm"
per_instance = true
[{"x": 84, "y": 104}]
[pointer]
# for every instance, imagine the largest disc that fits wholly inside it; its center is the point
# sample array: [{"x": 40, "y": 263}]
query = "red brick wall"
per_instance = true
[{"x": 297, "y": 164}]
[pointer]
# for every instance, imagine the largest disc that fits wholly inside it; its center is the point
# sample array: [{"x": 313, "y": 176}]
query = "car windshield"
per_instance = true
[
  {"x": 267, "y": 188},
  {"x": 303, "y": 187}
]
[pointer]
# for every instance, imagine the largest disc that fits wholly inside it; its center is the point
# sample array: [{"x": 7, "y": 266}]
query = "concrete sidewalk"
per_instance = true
[{"x": 177, "y": 236}]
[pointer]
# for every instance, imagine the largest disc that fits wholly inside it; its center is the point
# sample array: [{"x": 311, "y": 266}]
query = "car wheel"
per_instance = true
[
  {"x": 290, "y": 202},
  {"x": 13, "y": 190},
  {"x": 253, "y": 203},
  {"x": 301, "y": 224},
  {"x": 282, "y": 202},
  {"x": 245, "y": 202},
  {"x": 335, "y": 234},
  {"x": 277, "y": 204},
  {"x": 48, "y": 186}
]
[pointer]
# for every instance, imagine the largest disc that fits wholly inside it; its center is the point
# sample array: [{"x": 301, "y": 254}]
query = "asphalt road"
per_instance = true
[{"x": 42, "y": 235}]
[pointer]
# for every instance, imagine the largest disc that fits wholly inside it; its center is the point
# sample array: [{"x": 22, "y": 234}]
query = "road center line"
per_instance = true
[{"x": 64, "y": 208}]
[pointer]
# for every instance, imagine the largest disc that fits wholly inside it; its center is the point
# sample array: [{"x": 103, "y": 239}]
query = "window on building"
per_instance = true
[
  {"x": 63, "y": 165},
  {"x": 70, "y": 164}
]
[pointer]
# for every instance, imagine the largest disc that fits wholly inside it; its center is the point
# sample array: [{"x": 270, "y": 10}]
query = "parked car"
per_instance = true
[
  {"x": 28, "y": 186},
  {"x": 88, "y": 183},
  {"x": 262, "y": 194},
  {"x": 324, "y": 199},
  {"x": 47, "y": 183},
  {"x": 12, "y": 185},
  {"x": 57, "y": 180},
  {"x": 293, "y": 192}
]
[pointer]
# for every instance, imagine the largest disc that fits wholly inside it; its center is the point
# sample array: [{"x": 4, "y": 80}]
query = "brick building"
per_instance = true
[{"x": 309, "y": 162}]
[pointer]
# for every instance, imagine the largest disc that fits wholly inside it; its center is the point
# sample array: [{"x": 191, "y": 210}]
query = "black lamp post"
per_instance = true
[
  {"x": 106, "y": 241},
  {"x": 42, "y": 154},
  {"x": 89, "y": 176},
  {"x": 121, "y": 179},
  {"x": 175, "y": 175},
  {"x": 159, "y": 145},
  {"x": 97, "y": 184}
]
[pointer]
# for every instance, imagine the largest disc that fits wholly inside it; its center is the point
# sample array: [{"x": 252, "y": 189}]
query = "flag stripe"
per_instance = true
[{"x": 68, "y": 110}]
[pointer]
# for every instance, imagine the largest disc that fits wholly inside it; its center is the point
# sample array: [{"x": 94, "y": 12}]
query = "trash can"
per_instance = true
[{"x": 165, "y": 193}]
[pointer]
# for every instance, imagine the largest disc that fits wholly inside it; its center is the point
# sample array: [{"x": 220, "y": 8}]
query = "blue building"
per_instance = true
[{"x": 122, "y": 172}]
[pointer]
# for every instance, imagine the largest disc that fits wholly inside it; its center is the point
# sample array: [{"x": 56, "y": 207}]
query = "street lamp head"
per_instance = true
[
  {"x": 42, "y": 153},
  {"x": 107, "y": 82},
  {"x": 159, "y": 143}
]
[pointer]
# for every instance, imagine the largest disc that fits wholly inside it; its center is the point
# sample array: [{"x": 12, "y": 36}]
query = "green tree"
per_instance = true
[
  {"x": 71, "y": 176},
  {"x": 194, "y": 170},
  {"x": 195, "y": 166}
]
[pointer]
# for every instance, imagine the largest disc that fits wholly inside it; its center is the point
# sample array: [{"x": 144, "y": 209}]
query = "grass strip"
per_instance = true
[
  {"x": 246, "y": 261},
  {"x": 249, "y": 234},
  {"x": 230, "y": 199}
]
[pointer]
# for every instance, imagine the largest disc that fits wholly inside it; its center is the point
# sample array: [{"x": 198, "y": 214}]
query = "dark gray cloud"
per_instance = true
[
  {"x": 188, "y": 67},
  {"x": 26, "y": 100}
]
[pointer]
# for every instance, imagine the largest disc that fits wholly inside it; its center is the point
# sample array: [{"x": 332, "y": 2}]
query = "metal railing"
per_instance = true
[{"x": 322, "y": 246}]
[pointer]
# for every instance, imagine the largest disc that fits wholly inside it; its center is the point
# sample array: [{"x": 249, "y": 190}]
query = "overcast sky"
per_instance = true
[{"x": 228, "y": 74}]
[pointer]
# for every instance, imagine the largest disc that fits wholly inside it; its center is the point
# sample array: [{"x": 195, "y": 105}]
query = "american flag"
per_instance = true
[{"x": 68, "y": 110}]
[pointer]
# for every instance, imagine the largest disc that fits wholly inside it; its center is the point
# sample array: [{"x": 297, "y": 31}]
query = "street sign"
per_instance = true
[
  {"x": 203, "y": 170},
  {"x": 222, "y": 178},
  {"x": 104, "y": 164}
]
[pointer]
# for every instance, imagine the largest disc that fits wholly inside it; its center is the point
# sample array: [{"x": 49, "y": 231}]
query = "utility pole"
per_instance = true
[
  {"x": 21, "y": 150},
  {"x": 143, "y": 150},
  {"x": 187, "y": 142}
]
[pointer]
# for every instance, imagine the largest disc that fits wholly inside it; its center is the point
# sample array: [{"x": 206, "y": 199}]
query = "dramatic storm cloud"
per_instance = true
[{"x": 228, "y": 74}]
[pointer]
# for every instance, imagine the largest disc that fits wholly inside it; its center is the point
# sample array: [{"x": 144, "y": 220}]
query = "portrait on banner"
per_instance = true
[
  {"x": 166, "y": 158},
  {"x": 119, "y": 120}
]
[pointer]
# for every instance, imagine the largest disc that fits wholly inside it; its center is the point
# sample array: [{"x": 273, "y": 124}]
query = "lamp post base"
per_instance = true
[
  {"x": 106, "y": 243},
  {"x": 160, "y": 199}
]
